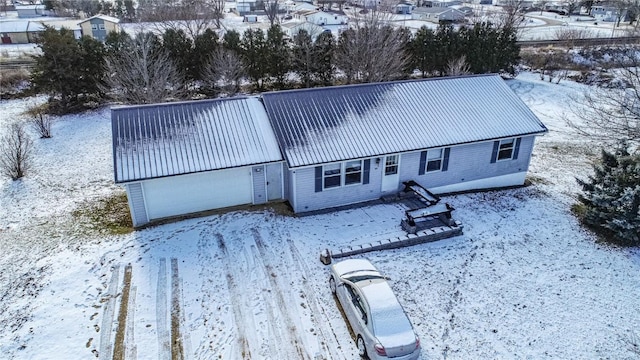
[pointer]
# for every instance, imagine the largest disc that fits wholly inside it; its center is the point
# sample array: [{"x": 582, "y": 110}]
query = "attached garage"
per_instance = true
[
  {"x": 178, "y": 195},
  {"x": 188, "y": 157}
]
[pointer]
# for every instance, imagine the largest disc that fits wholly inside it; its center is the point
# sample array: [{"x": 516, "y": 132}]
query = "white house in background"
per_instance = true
[
  {"x": 438, "y": 15},
  {"x": 321, "y": 148},
  {"x": 291, "y": 29},
  {"x": 304, "y": 6},
  {"x": 28, "y": 11},
  {"x": 322, "y": 17},
  {"x": 609, "y": 13},
  {"x": 445, "y": 3}
]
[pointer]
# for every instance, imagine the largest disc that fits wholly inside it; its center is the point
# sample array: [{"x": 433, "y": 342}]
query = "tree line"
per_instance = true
[{"x": 173, "y": 65}]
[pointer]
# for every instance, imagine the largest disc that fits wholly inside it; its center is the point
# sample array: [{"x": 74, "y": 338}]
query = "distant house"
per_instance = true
[
  {"x": 445, "y": 3},
  {"x": 29, "y": 11},
  {"x": 609, "y": 13},
  {"x": 323, "y": 147},
  {"x": 292, "y": 29},
  {"x": 73, "y": 25},
  {"x": 99, "y": 26},
  {"x": 244, "y": 7},
  {"x": 403, "y": 8},
  {"x": 27, "y": 31},
  {"x": 466, "y": 10},
  {"x": 19, "y": 31},
  {"x": 438, "y": 15},
  {"x": 324, "y": 17}
]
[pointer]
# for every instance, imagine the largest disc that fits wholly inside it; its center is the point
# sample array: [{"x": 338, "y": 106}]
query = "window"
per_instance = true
[
  {"x": 341, "y": 174},
  {"x": 353, "y": 172},
  {"x": 391, "y": 165},
  {"x": 434, "y": 160},
  {"x": 101, "y": 26},
  {"x": 332, "y": 175},
  {"x": 94, "y": 27},
  {"x": 505, "y": 151}
]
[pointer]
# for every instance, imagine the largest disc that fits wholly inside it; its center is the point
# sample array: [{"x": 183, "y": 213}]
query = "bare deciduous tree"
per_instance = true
[
  {"x": 613, "y": 114},
  {"x": 15, "y": 152},
  {"x": 570, "y": 36},
  {"x": 143, "y": 73},
  {"x": 372, "y": 50},
  {"x": 40, "y": 120},
  {"x": 225, "y": 70},
  {"x": 271, "y": 8},
  {"x": 193, "y": 17},
  {"x": 457, "y": 67}
]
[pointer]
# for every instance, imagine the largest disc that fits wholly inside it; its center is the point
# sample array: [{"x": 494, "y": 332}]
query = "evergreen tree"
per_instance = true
[
  {"x": 448, "y": 46},
  {"x": 303, "y": 57},
  {"x": 115, "y": 42},
  {"x": 67, "y": 69},
  {"x": 323, "y": 55},
  {"x": 231, "y": 41},
  {"x": 611, "y": 196},
  {"x": 277, "y": 56},
  {"x": 92, "y": 70},
  {"x": 423, "y": 52},
  {"x": 178, "y": 46},
  {"x": 253, "y": 54},
  {"x": 204, "y": 46}
]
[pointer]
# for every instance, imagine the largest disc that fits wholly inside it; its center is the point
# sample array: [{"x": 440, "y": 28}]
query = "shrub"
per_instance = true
[
  {"x": 611, "y": 197},
  {"x": 15, "y": 152}
]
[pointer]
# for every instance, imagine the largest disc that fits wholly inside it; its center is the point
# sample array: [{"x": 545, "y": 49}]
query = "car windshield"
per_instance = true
[{"x": 361, "y": 276}]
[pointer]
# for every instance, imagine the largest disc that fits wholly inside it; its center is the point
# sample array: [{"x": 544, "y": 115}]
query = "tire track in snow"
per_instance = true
[
  {"x": 177, "y": 313},
  {"x": 164, "y": 337},
  {"x": 106, "y": 347},
  {"x": 312, "y": 301},
  {"x": 292, "y": 332},
  {"x": 212, "y": 284},
  {"x": 238, "y": 312}
]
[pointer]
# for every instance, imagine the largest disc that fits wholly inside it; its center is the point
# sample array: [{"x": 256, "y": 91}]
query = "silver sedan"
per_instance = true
[{"x": 381, "y": 327}]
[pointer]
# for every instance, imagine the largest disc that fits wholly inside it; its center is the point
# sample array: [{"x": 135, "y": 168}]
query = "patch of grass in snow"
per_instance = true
[{"x": 110, "y": 215}]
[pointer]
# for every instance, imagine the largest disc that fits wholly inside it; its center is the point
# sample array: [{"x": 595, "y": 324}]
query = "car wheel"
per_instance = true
[
  {"x": 332, "y": 285},
  {"x": 362, "y": 349}
]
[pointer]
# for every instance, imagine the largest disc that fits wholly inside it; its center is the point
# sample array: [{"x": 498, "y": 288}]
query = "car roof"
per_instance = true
[{"x": 387, "y": 314}]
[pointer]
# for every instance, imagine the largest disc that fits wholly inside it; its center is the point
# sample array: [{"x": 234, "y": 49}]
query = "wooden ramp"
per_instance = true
[{"x": 429, "y": 221}]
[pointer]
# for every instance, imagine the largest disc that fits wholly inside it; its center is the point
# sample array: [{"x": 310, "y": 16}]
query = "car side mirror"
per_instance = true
[{"x": 364, "y": 318}]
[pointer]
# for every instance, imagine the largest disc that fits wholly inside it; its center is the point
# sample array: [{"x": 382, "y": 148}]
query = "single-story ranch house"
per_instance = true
[{"x": 323, "y": 147}]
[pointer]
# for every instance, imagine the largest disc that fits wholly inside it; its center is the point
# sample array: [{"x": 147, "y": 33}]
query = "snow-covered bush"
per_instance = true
[{"x": 611, "y": 197}]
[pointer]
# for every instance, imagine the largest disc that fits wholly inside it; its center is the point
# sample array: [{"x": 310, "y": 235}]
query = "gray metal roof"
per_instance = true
[
  {"x": 152, "y": 141},
  {"x": 322, "y": 125}
]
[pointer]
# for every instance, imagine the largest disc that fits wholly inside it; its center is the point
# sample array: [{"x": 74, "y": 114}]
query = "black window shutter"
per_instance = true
[
  {"x": 445, "y": 161},
  {"x": 423, "y": 162},
  {"x": 318, "y": 178},
  {"x": 494, "y": 155},
  {"x": 516, "y": 149},
  {"x": 365, "y": 174}
]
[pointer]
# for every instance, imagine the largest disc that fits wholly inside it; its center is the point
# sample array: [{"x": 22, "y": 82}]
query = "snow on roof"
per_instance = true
[
  {"x": 323, "y": 125},
  {"x": 103, "y": 17},
  {"x": 14, "y": 26},
  {"x": 159, "y": 140}
]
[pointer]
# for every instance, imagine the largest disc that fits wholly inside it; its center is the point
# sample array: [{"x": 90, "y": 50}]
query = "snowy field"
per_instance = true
[{"x": 525, "y": 281}]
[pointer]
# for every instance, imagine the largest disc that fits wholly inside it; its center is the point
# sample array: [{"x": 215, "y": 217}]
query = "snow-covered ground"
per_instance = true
[{"x": 524, "y": 281}]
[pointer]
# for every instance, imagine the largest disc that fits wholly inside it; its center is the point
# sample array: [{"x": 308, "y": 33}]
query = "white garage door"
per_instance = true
[{"x": 177, "y": 195}]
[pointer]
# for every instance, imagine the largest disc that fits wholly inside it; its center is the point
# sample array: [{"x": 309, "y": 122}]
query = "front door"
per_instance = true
[
  {"x": 390, "y": 174},
  {"x": 274, "y": 181}
]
